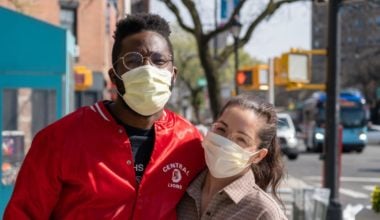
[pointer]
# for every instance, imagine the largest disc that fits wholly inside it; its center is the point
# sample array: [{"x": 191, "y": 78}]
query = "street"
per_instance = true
[{"x": 360, "y": 173}]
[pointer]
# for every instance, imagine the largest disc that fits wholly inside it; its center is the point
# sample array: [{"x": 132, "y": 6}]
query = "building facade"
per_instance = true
[
  {"x": 358, "y": 45},
  {"x": 92, "y": 23}
]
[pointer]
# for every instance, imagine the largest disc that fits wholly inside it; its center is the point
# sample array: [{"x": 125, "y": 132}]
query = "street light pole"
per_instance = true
[
  {"x": 236, "y": 39},
  {"x": 235, "y": 31},
  {"x": 331, "y": 178}
]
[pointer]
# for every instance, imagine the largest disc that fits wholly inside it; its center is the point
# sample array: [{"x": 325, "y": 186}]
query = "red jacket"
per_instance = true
[{"x": 81, "y": 167}]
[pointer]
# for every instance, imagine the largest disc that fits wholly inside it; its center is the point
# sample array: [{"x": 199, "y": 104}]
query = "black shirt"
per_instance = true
[{"x": 142, "y": 142}]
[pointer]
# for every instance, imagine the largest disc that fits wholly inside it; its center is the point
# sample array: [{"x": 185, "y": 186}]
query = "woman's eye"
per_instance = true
[
  {"x": 241, "y": 140},
  {"x": 220, "y": 129}
]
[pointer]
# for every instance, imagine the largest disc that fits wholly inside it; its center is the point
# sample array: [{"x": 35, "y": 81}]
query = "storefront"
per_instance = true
[{"x": 36, "y": 87}]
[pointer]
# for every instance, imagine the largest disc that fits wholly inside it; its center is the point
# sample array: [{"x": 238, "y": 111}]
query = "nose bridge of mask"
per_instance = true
[
  {"x": 148, "y": 72},
  {"x": 228, "y": 145},
  {"x": 224, "y": 141}
]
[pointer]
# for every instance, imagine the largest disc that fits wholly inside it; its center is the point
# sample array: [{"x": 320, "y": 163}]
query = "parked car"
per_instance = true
[{"x": 286, "y": 133}]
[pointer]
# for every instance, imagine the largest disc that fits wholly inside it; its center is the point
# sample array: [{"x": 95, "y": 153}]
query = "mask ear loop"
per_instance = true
[{"x": 119, "y": 77}]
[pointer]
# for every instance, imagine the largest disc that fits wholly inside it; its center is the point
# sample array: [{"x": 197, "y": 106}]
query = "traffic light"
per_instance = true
[
  {"x": 244, "y": 77},
  {"x": 253, "y": 78},
  {"x": 83, "y": 78}
]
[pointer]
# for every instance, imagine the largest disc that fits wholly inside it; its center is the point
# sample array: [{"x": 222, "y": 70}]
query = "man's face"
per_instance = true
[{"x": 148, "y": 44}]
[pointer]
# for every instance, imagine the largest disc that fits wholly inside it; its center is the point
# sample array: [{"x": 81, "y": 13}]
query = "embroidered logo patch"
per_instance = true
[
  {"x": 178, "y": 171},
  {"x": 176, "y": 176}
]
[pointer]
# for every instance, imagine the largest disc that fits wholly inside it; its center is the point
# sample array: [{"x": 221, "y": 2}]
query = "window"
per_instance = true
[
  {"x": 68, "y": 16},
  {"x": 316, "y": 44}
]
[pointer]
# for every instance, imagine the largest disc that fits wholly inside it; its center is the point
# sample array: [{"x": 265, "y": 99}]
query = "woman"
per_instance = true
[{"x": 243, "y": 159}]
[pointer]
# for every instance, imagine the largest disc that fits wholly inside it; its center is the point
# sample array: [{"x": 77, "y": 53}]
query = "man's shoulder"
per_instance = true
[
  {"x": 176, "y": 119},
  {"x": 177, "y": 122},
  {"x": 75, "y": 119}
]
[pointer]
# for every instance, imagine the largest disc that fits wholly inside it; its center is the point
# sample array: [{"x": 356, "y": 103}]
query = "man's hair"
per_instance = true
[{"x": 137, "y": 23}]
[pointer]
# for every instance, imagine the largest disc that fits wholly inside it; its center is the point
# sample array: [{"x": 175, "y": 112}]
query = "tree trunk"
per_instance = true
[{"x": 213, "y": 85}]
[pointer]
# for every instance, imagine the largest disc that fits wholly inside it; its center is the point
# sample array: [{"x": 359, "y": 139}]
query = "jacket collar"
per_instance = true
[{"x": 236, "y": 190}]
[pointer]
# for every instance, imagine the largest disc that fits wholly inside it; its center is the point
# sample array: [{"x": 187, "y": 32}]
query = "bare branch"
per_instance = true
[
  {"x": 176, "y": 12},
  {"x": 228, "y": 24},
  {"x": 189, "y": 4},
  {"x": 269, "y": 10}
]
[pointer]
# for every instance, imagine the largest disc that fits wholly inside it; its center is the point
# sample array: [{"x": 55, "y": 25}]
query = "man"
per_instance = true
[{"x": 128, "y": 159}]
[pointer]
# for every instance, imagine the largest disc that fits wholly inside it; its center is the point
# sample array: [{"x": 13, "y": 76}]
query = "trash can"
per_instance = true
[{"x": 310, "y": 203}]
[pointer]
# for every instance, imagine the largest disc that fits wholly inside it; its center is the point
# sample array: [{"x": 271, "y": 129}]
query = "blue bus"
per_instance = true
[{"x": 353, "y": 118}]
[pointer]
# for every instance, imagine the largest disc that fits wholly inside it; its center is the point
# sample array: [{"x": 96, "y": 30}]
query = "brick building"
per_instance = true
[{"x": 92, "y": 22}]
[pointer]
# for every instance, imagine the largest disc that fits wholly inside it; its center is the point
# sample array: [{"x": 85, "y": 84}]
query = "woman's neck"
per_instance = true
[{"x": 213, "y": 185}]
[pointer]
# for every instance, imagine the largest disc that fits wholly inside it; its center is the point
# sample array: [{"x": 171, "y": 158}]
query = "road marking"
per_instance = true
[
  {"x": 347, "y": 179},
  {"x": 352, "y": 193},
  {"x": 369, "y": 187},
  {"x": 351, "y": 210}
]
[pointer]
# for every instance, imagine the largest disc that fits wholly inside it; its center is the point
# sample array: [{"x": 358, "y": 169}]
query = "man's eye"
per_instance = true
[
  {"x": 132, "y": 60},
  {"x": 159, "y": 61}
]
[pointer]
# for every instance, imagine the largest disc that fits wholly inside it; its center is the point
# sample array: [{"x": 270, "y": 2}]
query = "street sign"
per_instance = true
[
  {"x": 226, "y": 8},
  {"x": 201, "y": 82}
]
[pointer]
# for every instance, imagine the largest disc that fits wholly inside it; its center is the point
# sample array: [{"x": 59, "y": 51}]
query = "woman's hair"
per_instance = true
[{"x": 269, "y": 171}]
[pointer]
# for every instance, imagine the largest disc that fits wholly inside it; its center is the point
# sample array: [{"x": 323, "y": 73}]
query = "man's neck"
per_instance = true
[{"x": 131, "y": 118}]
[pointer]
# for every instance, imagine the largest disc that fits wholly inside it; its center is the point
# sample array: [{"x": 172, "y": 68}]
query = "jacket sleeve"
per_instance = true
[{"x": 37, "y": 186}]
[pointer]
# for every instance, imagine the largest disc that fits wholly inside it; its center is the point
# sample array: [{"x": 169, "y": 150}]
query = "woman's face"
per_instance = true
[{"x": 240, "y": 126}]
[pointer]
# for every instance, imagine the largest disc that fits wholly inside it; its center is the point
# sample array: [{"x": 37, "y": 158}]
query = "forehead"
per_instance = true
[
  {"x": 240, "y": 119},
  {"x": 145, "y": 42}
]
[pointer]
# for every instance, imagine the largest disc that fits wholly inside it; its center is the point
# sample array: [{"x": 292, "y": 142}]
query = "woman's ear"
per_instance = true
[{"x": 262, "y": 153}]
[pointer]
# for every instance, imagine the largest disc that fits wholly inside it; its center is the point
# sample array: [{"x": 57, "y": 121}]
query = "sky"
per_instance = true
[{"x": 289, "y": 27}]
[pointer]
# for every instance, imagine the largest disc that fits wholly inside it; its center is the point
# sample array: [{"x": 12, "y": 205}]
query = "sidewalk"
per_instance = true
[{"x": 286, "y": 193}]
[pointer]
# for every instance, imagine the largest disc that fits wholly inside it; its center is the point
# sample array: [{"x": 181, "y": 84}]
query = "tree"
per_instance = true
[
  {"x": 365, "y": 75},
  {"x": 210, "y": 65},
  {"x": 189, "y": 69},
  {"x": 191, "y": 73}
]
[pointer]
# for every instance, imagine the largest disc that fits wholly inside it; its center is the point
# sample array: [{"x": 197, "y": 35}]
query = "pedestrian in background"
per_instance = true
[
  {"x": 243, "y": 159},
  {"x": 123, "y": 159}
]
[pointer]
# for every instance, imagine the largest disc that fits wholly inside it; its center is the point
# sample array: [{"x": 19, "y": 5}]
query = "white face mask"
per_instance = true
[
  {"x": 147, "y": 89},
  {"x": 225, "y": 158}
]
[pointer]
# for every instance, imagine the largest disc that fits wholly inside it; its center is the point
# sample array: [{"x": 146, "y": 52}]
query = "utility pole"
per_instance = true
[
  {"x": 331, "y": 162},
  {"x": 271, "y": 80},
  {"x": 216, "y": 26}
]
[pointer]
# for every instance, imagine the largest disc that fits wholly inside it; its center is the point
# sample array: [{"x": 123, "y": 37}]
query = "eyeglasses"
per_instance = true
[
  {"x": 240, "y": 139},
  {"x": 132, "y": 60}
]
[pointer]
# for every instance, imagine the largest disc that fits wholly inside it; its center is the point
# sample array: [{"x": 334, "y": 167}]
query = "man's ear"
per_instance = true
[
  {"x": 175, "y": 72},
  {"x": 111, "y": 74}
]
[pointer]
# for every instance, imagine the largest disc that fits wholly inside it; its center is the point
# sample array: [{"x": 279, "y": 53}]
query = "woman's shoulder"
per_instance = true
[{"x": 269, "y": 207}]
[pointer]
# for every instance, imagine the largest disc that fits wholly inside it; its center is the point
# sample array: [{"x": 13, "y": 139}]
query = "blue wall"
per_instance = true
[
  {"x": 33, "y": 54},
  {"x": 30, "y": 46}
]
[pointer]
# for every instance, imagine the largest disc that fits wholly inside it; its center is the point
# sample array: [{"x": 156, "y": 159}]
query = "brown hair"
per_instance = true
[{"x": 270, "y": 170}]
